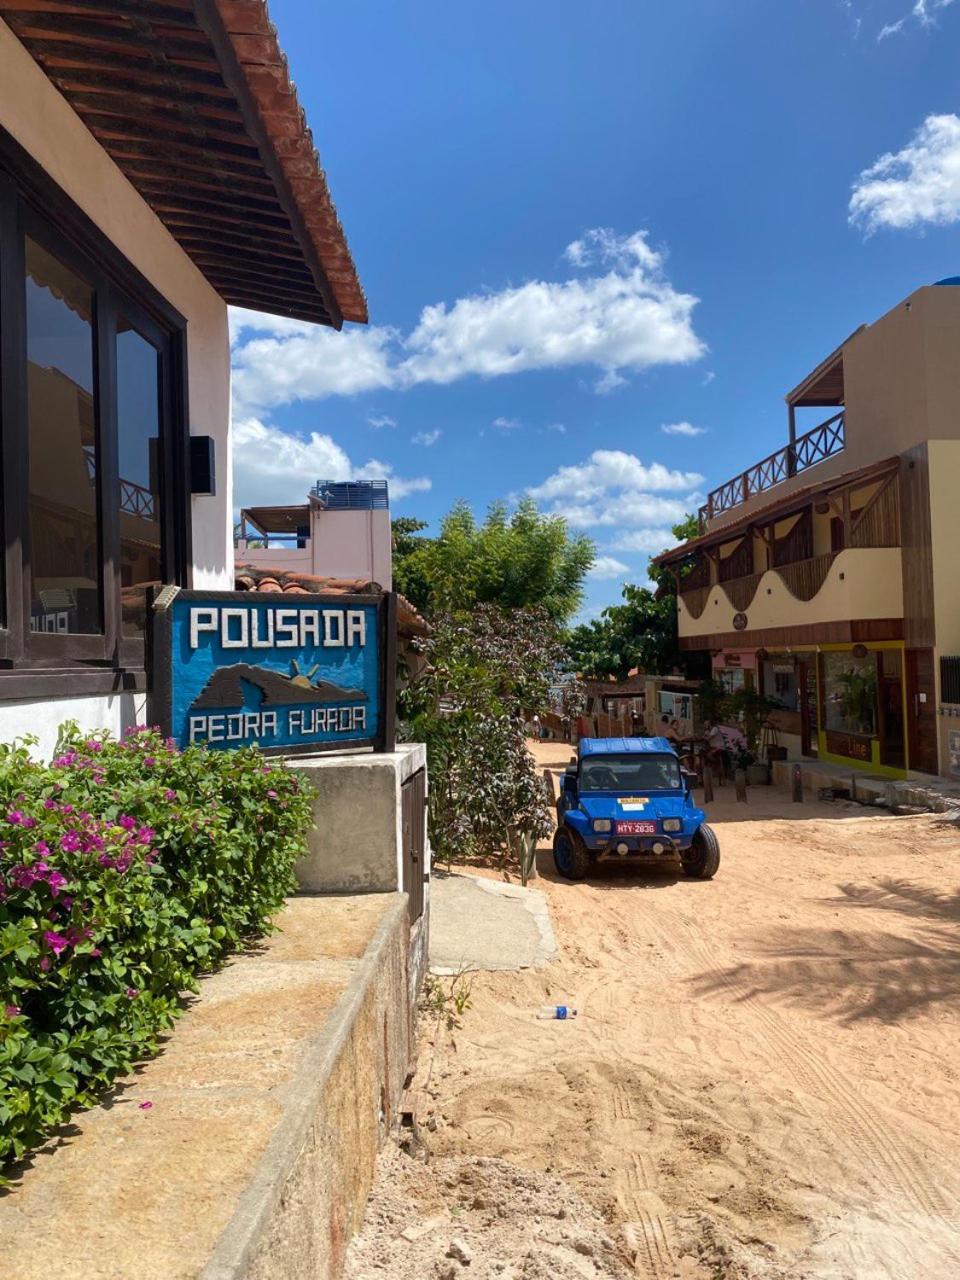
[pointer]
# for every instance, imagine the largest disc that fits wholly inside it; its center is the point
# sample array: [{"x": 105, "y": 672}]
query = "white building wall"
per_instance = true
[
  {"x": 41, "y": 120},
  {"x": 352, "y": 544}
]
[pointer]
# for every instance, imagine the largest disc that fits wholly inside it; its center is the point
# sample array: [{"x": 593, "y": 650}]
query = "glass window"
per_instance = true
[
  {"x": 780, "y": 683},
  {"x": 732, "y": 678},
  {"x": 630, "y": 773},
  {"x": 138, "y": 430},
  {"x": 850, "y": 693},
  {"x": 62, "y": 448}
]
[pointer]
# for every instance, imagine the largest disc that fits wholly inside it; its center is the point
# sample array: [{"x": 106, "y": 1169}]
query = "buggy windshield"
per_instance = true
[{"x": 630, "y": 773}]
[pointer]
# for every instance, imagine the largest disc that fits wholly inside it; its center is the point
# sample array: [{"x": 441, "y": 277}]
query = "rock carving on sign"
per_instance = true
[{"x": 224, "y": 689}]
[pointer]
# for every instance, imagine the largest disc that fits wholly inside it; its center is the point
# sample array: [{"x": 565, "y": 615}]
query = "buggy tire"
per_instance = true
[
  {"x": 570, "y": 856},
  {"x": 703, "y": 859}
]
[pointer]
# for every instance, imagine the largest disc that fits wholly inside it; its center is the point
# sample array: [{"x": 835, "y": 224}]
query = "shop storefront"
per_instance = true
[
  {"x": 844, "y": 703},
  {"x": 735, "y": 669},
  {"x": 862, "y": 707}
]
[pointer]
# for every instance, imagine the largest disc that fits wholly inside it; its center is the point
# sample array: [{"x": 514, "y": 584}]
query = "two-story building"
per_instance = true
[
  {"x": 155, "y": 165},
  {"x": 341, "y": 531},
  {"x": 825, "y": 574}
]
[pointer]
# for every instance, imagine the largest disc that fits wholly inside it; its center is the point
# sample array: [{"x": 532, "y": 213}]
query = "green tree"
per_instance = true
[
  {"x": 488, "y": 671},
  {"x": 514, "y": 561},
  {"x": 409, "y": 576},
  {"x": 641, "y": 632}
]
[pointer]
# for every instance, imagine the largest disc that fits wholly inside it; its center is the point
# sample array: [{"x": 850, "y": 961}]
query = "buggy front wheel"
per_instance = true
[
  {"x": 570, "y": 855},
  {"x": 701, "y": 860}
]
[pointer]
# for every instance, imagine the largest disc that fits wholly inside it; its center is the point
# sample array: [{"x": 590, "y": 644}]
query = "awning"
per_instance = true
[
  {"x": 277, "y": 519},
  {"x": 824, "y": 386},
  {"x": 194, "y": 102}
]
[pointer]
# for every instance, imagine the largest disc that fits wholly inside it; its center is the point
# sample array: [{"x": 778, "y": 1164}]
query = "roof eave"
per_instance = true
[{"x": 255, "y": 68}]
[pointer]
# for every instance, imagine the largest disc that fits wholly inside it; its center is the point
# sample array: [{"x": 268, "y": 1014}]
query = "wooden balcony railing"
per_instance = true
[
  {"x": 695, "y": 599},
  {"x": 740, "y": 591},
  {"x": 822, "y": 442},
  {"x": 804, "y": 578}
]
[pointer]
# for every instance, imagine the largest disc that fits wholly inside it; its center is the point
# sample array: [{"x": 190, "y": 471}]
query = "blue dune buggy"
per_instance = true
[{"x": 627, "y": 799}]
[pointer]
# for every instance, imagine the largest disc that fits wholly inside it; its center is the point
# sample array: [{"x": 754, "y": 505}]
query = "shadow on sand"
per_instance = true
[{"x": 847, "y": 975}]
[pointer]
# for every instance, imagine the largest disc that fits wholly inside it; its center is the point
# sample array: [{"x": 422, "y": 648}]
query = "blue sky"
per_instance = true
[{"x": 579, "y": 224}]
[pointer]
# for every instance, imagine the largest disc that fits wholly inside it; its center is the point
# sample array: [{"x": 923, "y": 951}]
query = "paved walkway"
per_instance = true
[
  {"x": 485, "y": 924},
  {"x": 922, "y": 790}
]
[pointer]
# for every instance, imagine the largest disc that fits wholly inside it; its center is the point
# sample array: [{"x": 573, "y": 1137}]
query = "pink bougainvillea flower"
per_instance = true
[
  {"x": 131, "y": 993},
  {"x": 56, "y": 880},
  {"x": 29, "y": 822},
  {"x": 55, "y": 941},
  {"x": 169, "y": 795},
  {"x": 145, "y": 1106},
  {"x": 11, "y": 1011},
  {"x": 70, "y": 842},
  {"x": 149, "y": 762},
  {"x": 15, "y": 817},
  {"x": 273, "y": 795},
  {"x": 44, "y": 963},
  {"x": 126, "y": 822}
]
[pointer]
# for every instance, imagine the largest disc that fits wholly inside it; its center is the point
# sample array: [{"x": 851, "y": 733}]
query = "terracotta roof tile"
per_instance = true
[{"x": 252, "y": 578}]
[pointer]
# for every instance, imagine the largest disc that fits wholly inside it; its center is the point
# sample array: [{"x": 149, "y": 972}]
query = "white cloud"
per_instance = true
[
  {"x": 558, "y": 427},
  {"x": 682, "y": 429},
  {"x": 708, "y": 377},
  {"x": 623, "y": 317},
  {"x": 378, "y": 422},
  {"x": 307, "y": 362},
  {"x": 604, "y": 568},
  {"x": 650, "y": 541},
  {"x": 506, "y": 424},
  {"x": 273, "y": 466},
  {"x": 919, "y": 184},
  {"x": 923, "y": 10},
  {"x": 608, "y": 382},
  {"x": 602, "y": 245},
  {"x": 426, "y": 438},
  {"x": 613, "y": 488},
  {"x": 608, "y": 469},
  {"x": 628, "y": 509}
]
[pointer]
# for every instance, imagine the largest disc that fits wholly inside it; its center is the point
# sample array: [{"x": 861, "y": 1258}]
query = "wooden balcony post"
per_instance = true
[{"x": 792, "y": 449}]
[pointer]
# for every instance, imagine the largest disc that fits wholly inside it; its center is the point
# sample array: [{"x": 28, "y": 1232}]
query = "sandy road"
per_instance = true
[{"x": 763, "y": 1080}]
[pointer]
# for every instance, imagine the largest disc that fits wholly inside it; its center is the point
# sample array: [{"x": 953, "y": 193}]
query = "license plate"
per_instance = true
[{"x": 636, "y": 829}]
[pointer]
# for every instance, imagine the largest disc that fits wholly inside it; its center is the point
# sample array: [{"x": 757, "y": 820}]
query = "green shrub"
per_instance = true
[{"x": 126, "y": 869}]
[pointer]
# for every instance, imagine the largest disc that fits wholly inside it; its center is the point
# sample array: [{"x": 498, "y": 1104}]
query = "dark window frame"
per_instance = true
[{"x": 34, "y": 664}]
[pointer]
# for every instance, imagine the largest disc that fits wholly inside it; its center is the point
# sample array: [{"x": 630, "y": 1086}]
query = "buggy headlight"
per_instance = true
[
  {"x": 672, "y": 824},
  {"x": 602, "y": 824}
]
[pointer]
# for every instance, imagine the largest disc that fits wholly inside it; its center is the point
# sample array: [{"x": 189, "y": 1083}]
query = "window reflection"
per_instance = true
[
  {"x": 64, "y": 535},
  {"x": 138, "y": 429}
]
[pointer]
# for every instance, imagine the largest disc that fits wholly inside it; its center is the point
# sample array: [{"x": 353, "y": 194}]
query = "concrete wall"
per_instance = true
[
  {"x": 352, "y": 544},
  {"x": 308, "y": 1195},
  {"x": 944, "y": 473},
  {"x": 355, "y": 845},
  {"x": 861, "y": 583},
  {"x": 42, "y": 717},
  {"x": 40, "y": 119}
]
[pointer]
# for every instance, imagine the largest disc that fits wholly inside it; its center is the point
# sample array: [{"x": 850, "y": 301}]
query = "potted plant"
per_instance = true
[{"x": 753, "y": 710}]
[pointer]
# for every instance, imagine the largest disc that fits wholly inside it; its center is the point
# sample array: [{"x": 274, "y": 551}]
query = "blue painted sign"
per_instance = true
[{"x": 290, "y": 673}]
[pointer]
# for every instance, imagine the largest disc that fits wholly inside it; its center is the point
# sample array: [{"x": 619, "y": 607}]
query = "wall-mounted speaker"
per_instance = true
[{"x": 203, "y": 478}]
